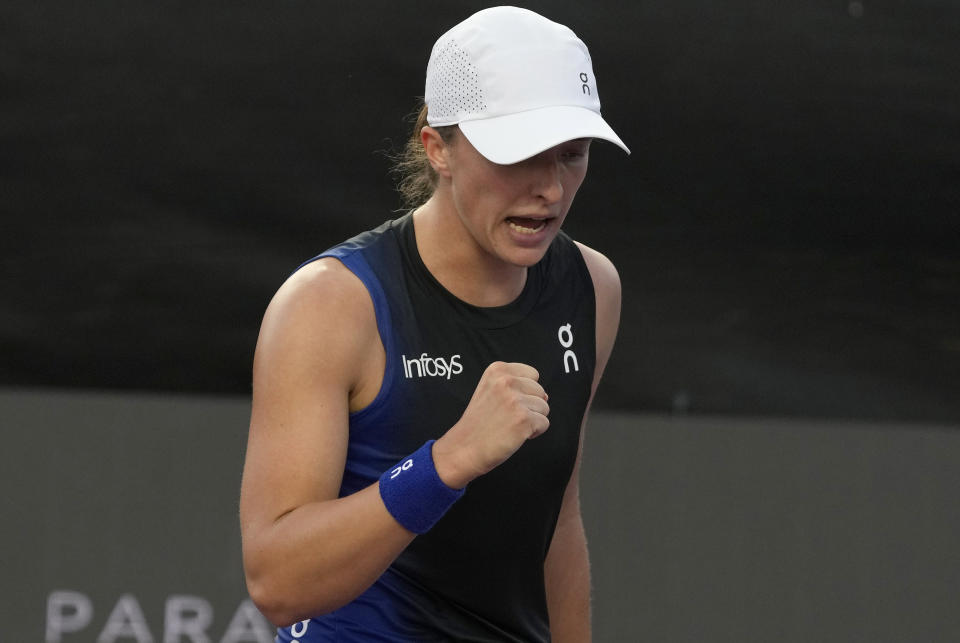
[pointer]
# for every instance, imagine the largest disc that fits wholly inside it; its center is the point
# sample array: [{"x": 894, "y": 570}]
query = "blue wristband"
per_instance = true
[{"x": 413, "y": 492}]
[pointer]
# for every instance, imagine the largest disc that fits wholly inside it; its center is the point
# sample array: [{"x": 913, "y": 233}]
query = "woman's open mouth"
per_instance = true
[{"x": 527, "y": 225}]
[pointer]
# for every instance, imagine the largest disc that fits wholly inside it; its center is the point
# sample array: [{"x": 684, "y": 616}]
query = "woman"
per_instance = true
[{"x": 419, "y": 391}]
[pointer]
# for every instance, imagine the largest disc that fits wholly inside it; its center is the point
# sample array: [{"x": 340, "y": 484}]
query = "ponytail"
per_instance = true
[{"x": 416, "y": 178}]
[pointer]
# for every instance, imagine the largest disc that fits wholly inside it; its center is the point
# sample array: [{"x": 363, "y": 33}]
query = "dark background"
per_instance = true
[{"x": 786, "y": 228}]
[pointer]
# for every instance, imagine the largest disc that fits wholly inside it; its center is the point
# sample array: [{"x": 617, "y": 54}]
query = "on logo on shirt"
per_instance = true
[{"x": 565, "y": 336}]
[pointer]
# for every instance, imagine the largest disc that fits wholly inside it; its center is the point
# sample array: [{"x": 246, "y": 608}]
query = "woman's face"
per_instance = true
[{"x": 514, "y": 211}]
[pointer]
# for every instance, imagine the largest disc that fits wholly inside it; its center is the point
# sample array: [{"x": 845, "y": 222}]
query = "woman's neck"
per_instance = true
[{"x": 460, "y": 264}]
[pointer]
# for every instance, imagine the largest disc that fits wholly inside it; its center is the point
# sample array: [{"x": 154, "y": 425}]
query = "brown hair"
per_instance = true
[{"x": 416, "y": 178}]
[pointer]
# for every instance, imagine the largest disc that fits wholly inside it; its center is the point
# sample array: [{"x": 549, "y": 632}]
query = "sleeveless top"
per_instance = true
[{"x": 477, "y": 575}]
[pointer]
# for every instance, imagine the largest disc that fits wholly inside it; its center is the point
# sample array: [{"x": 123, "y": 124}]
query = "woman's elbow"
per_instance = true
[
  {"x": 283, "y": 606},
  {"x": 269, "y": 602},
  {"x": 268, "y": 592}
]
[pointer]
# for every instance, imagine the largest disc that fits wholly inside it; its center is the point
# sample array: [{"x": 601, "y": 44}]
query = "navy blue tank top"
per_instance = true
[{"x": 477, "y": 575}]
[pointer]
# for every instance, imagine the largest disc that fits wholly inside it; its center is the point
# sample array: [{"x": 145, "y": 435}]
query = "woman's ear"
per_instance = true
[{"x": 437, "y": 150}]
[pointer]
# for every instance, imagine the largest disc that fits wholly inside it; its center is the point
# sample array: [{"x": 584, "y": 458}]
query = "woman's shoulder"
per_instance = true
[
  {"x": 607, "y": 291},
  {"x": 603, "y": 272},
  {"x": 317, "y": 284},
  {"x": 322, "y": 301}
]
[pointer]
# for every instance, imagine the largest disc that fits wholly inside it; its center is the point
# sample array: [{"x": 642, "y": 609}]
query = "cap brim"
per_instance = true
[{"x": 515, "y": 137}]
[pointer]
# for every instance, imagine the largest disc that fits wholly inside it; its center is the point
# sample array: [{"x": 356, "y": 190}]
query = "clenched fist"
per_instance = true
[{"x": 508, "y": 408}]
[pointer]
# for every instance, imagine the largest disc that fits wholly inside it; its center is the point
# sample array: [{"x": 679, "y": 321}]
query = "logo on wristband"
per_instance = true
[{"x": 403, "y": 467}]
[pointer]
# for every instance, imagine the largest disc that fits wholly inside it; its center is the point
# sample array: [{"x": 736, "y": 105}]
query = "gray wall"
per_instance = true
[
  {"x": 701, "y": 529},
  {"x": 708, "y": 529}
]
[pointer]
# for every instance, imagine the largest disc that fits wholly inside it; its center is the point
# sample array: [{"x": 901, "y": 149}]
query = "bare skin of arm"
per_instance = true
[
  {"x": 299, "y": 539},
  {"x": 319, "y": 356},
  {"x": 567, "y": 567}
]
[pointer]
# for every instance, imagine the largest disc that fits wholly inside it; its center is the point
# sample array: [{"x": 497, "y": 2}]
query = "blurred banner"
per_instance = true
[
  {"x": 126, "y": 520},
  {"x": 121, "y": 525}
]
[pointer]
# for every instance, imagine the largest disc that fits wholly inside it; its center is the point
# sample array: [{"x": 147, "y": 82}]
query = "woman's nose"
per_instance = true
[{"x": 547, "y": 183}]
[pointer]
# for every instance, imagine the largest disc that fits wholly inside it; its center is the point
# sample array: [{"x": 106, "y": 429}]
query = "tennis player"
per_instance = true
[{"x": 419, "y": 391}]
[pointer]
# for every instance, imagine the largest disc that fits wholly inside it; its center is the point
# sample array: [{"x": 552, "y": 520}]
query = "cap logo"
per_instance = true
[{"x": 584, "y": 78}]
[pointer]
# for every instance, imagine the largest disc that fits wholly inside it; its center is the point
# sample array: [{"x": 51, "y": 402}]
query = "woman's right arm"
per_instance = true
[
  {"x": 306, "y": 551},
  {"x": 319, "y": 356}
]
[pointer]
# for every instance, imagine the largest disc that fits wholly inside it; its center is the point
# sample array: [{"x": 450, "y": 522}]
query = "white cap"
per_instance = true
[{"x": 516, "y": 83}]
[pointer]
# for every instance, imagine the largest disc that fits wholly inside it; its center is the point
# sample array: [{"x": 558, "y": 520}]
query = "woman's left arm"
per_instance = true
[{"x": 567, "y": 567}]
